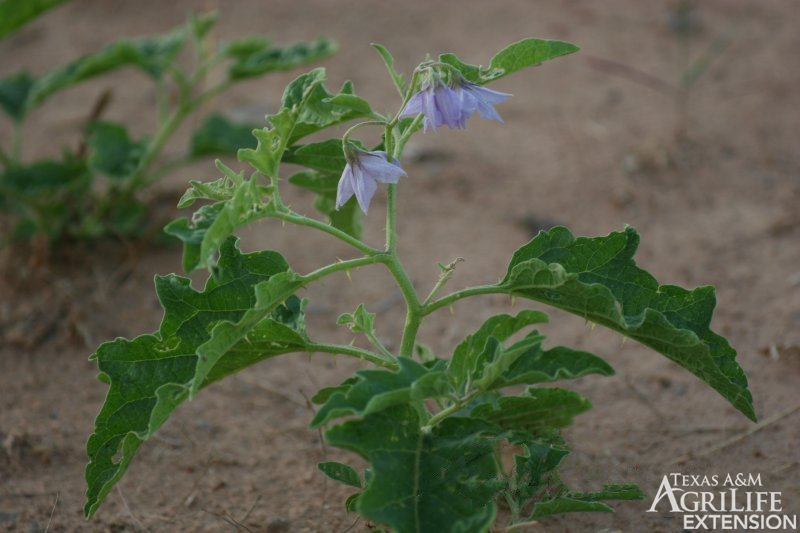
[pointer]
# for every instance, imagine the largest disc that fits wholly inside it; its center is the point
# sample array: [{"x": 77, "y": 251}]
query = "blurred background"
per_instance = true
[{"x": 678, "y": 118}]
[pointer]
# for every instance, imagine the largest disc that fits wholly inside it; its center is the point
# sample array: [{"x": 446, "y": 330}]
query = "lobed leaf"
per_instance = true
[
  {"x": 375, "y": 390},
  {"x": 255, "y": 57},
  {"x": 597, "y": 279},
  {"x": 537, "y": 410},
  {"x": 151, "y": 375},
  {"x": 152, "y": 55},
  {"x": 112, "y": 152},
  {"x": 482, "y": 347},
  {"x": 443, "y": 480}
]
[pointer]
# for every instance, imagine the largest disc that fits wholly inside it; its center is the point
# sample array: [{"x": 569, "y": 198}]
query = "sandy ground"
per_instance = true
[{"x": 584, "y": 145}]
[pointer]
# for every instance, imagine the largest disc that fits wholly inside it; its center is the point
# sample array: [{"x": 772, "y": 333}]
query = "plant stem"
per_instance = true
[
  {"x": 456, "y": 406},
  {"x": 413, "y": 307},
  {"x": 343, "y": 265},
  {"x": 301, "y": 220},
  {"x": 139, "y": 178},
  {"x": 379, "y": 345},
  {"x": 4, "y": 158},
  {"x": 458, "y": 295},
  {"x": 364, "y": 355},
  {"x": 16, "y": 150}
]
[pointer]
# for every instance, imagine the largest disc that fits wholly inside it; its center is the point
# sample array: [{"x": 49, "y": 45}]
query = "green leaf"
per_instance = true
[
  {"x": 541, "y": 366},
  {"x": 212, "y": 225},
  {"x": 16, "y": 13},
  {"x": 112, "y": 152},
  {"x": 151, "y": 375},
  {"x": 535, "y": 411},
  {"x": 361, "y": 321},
  {"x": 151, "y": 55},
  {"x": 45, "y": 196},
  {"x": 348, "y": 217},
  {"x": 323, "y": 110},
  {"x": 45, "y": 178},
  {"x": 388, "y": 60},
  {"x": 443, "y": 480},
  {"x": 326, "y": 156},
  {"x": 218, "y": 190},
  {"x": 535, "y": 470},
  {"x": 192, "y": 232},
  {"x": 201, "y": 24},
  {"x": 484, "y": 346},
  {"x": 14, "y": 92},
  {"x": 565, "y": 504},
  {"x": 597, "y": 279},
  {"x": 376, "y": 390},
  {"x": 340, "y": 472},
  {"x": 525, "y": 53},
  {"x": 254, "y": 56},
  {"x": 219, "y": 136}
]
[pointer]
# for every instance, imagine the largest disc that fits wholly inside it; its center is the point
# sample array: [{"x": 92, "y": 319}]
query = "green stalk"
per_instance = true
[
  {"x": 16, "y": 150},
  {"x": 364, "y": 355},
  {"x": 301, "y": 220},
  {"x": 445, "y": 301}
]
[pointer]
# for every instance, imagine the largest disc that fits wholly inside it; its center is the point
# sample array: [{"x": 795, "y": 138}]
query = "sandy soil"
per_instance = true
[{"x": 584, "y": 145}]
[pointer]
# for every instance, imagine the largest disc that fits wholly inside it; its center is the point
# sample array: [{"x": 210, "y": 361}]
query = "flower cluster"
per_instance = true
[{"x": 442, "y": 105}]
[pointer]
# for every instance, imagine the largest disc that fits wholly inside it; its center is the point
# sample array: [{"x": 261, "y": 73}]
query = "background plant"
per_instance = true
[
  {"x": 433, "y": 430},
  {"x": 95, "y": 188}
]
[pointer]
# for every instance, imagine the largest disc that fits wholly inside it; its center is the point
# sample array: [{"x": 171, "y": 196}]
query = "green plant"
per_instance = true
[
  {"x": 432, "y": 429},
  {"x": 95, "y": 189}
]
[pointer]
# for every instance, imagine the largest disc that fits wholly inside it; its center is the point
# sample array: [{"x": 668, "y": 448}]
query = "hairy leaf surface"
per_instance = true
[
  {"x": 443, "y": 480},
  {"x": 375, "y": 390},
  {"x": 597, "y": 279},
  {"x": 151, "y": 375}
]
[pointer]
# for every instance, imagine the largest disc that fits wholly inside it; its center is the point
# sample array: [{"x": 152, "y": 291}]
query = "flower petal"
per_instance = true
[
  {"x": 488, "y": 95},
  {"x": 375, "y": 165},
  {"x": 449, "y": 105},
  {"x": 345, "y": 189},
  {"x": 414, "y": 106},
  {"x": 364, "y": 187}
]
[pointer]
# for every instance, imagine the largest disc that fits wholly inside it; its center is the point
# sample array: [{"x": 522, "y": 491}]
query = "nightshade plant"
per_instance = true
[
  {"x": 433, "y": 430},
  {"x": 95, "y": 189}
]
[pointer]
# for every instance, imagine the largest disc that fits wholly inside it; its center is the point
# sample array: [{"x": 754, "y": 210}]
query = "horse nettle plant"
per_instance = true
[
  {"x": 430, "y": 428},
  {"x": 95, "y": 189}
]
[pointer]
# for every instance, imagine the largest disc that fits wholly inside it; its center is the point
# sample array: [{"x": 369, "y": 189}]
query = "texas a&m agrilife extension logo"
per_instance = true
[{"x": 733, "y": 501}]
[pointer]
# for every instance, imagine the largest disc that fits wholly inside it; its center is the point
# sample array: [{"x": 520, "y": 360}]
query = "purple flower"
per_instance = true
[
  {"x": 361, "y": 174},
  {"x": 443, "y": 105},
  {"x": 440, "y": 104},
  {"x": 480, "y": 99}
]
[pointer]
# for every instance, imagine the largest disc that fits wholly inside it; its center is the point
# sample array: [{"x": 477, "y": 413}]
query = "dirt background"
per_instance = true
[{"x": 584, "y": 145}]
